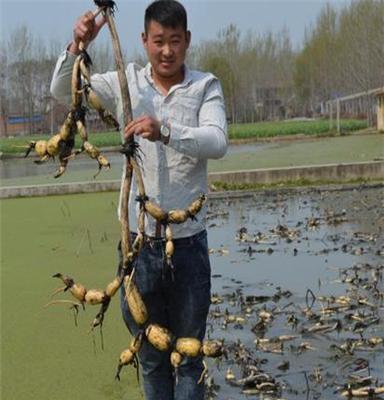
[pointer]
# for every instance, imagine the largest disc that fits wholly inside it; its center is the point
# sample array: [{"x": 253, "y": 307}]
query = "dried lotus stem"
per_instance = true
[
  {"x": 39, "y": 146},
  {"x": 95, "y": 296},
  {"x": 136, "y": 342},
  {"x": 84, "y": 70},
  {"x": 99, "y": 319},
  {"x": 63, "y": 165},
  {"x": 176, "y": 358},
  {"x": 77, "y": 290},
  {"x": 128, "y": 356},
  {"x": 126, "y": 101},
  {"x": 204, "y": 373},
  {"x": 124, "y": 217},
  {"x": 67, "y": 127},
  {"x": 92, "y": 296},
  {"x": 137, "y": 244},
  {"x": 139, "y": 240},
  {"x": 135, "y": 302},
  {"x": 169, "y": 246},
  {"x": 114, "y": 286},
  {"x": 189, "y": 347},
  {"x": 127, "y": 117},
  {"x": 363, "y": 392},
  {"x": 141, "y": 221},
  {"x": 177, "y": 216},
  {"x": 53, "y": 145},
  {"x": 50, "y": 148},
  {"x": 62, "y": 143},
  {"x": 174, "y": 216},
  {"x": 81, "y": 128},
  {"x": 212, "y": 348},
  {"x": 95, "y": 154},
  {"x": 94, "y": 101},
  {"x": 155, "y": 211},
  {"x": 76, "y": 94},
  {"x": 159, "y": 337},
  {"x": 139, "y": 178},
  {"x": 196, "y": 205},
  {"x": 84, "y": 60}
]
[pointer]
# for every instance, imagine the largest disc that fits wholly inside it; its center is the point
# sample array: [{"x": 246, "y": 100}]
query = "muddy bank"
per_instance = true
[{"x": 297, "y": 295}]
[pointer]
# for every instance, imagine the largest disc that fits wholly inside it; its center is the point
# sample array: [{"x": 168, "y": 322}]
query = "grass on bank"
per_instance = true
[
  {"x": 260, "y": 130},
  {"x": 293, "y": 127},
  {"x": 220, "y": 186},
  {"x": 14, "y": 145}
]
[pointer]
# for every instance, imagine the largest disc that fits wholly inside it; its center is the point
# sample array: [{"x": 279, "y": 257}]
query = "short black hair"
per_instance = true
[{"x": 169, "y": 13}]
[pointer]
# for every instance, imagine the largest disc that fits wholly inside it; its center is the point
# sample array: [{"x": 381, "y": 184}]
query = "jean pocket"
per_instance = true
[{"x": 192, "y": 266}]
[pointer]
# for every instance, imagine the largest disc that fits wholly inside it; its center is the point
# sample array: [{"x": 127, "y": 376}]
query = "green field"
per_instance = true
[
  {"x": 44, "y": 355},
  {"x": 286, "y": 128},
  {"x": 14, "y": 145},
  {"x": 236, "y": 131}
]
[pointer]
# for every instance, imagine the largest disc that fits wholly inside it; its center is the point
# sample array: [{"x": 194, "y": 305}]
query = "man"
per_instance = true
[{"x": 179, "y": 123}]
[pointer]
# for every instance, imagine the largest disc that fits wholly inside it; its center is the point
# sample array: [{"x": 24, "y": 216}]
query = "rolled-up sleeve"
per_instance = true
[
  {"x": 62, "y": 76},
  {"x": 102, "y": 84},
  {"x": 210, "y": 138}
]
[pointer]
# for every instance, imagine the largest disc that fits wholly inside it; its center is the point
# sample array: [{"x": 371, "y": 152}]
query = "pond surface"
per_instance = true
[
  {"x": 11, "y": 169},
  {"x": 267, "y": 250},
  {"x": 25, "y": 167},
  {"x": 307, "y": 266}
]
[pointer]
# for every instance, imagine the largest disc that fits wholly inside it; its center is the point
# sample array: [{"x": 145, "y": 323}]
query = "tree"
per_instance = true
[
  {"x": 4, "y": 106},
  {"x": 342, "y": 54}
]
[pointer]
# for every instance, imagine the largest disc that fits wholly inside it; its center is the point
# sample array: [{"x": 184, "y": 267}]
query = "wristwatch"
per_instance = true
[{"x": 165, "y": 133}]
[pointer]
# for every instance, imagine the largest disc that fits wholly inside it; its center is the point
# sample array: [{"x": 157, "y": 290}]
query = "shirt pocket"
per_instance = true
[{"x": 184, "y": 110}]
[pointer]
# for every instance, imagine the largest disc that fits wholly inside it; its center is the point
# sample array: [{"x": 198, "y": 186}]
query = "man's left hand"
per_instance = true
[{"x": 144, "y": 126}]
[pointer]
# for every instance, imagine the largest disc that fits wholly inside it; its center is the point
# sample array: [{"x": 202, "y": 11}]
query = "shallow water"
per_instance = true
[{"x": 347, "y": 232}]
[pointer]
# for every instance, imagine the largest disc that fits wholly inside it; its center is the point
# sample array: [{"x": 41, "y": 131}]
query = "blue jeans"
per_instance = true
[{"x": 179, "y": 301}]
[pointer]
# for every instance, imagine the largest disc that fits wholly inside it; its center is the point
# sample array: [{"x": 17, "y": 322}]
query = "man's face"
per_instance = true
[{"x": 166, "y": 49}]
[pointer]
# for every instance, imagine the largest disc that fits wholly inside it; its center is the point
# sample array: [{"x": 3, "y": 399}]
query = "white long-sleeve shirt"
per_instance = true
[{"x": 174, "y": 174}]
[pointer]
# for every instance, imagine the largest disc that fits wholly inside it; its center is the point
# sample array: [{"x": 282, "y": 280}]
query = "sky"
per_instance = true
[{"x": 54, "y": 19}]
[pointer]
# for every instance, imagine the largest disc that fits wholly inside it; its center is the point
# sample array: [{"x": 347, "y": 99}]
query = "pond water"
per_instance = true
[
  {"x": 308, "y": 266},
  {"x": 14, "y": 168},
  {"x": 267, "y": 251},
  {"x": 25, "y": 167}
]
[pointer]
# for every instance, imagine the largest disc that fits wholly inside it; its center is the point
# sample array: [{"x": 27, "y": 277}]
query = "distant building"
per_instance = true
[
  {"x": 48, "y": 122},
  {"x": 380, "y": 110},
  {"x": 17, "y": 125},
  {"x": 274, "y": 103}
]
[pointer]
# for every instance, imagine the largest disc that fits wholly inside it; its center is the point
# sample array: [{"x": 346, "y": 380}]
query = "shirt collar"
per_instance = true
[{"x": 187, "y": 76}]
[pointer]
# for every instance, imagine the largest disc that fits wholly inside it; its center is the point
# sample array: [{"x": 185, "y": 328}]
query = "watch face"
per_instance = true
[{"x": 164, "y": 130}]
